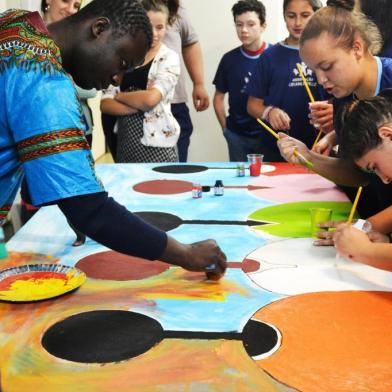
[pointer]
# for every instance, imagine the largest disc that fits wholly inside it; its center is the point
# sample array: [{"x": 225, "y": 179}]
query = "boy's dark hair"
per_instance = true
[
  {"x": 126, "y": 17},
  {"x": 243, "y": 6},
  {"x": 359, "y": 122},
  {"x": 380, "y": 12},
  {"x": 315, "y": 4}
]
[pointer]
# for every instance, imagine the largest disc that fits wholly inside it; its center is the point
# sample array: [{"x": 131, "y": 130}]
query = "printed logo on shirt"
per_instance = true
[
  {"x": 246, "y": 81},
  {"x": 297, "y": 80}
]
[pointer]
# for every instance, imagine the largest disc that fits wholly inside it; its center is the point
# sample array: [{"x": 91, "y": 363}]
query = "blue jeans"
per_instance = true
[
  {"x": 240, "y": 146},
  {"x": 181, "y": 114}
]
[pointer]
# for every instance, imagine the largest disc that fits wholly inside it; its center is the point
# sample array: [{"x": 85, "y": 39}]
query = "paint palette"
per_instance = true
[{"x": 34, "y": 282}]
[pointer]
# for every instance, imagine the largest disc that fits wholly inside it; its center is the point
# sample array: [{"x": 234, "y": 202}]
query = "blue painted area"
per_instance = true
[
  {"x": 212, "y": 316},
  {"x": 49, "y": 233}
]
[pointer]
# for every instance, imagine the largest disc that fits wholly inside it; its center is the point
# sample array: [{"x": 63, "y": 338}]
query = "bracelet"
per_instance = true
[{"x": 266, "y": 112}]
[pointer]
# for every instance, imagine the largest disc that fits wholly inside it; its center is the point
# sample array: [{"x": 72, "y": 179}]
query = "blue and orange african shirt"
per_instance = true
[{"x": 41, "y": 122}]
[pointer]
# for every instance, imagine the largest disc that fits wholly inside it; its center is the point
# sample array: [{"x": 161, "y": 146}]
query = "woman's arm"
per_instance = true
[
  {"x": 162, "y": 79},
  {"x": 193, "y": 60},
  {"x": 143, "y": 100},
  {"x": 115, "y": 108}
]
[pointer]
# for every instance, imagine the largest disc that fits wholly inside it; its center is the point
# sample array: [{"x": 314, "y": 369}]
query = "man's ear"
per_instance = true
[
  {"x": 385, "y": 132},
  {"x": 99, "y": 26}
]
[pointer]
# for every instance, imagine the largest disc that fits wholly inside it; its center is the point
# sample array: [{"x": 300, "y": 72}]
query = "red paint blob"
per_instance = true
[
  {"x": 163, "y": 187},
  {"x": 248, "y": 265},
  {"x": 112, "y": 265},
  {"x": 6, "y": 283}
]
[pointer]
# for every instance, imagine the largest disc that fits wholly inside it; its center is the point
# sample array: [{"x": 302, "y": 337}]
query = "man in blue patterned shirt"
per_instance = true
[{"x": 42, "y": 126}]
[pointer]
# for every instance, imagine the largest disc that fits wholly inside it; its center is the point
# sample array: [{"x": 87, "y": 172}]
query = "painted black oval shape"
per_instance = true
[
  {"x": 161, "y": 220},
  {"x": 180, "y": 169},
  {"x": 259, "y": 338},
  {"x": 102, "y": 336}
]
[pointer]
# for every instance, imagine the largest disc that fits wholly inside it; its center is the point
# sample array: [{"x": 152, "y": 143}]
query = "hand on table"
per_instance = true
[
  {"x": 287, "y": 145},
  {"x": 279, "y": 119},
  {"x": 205, "y": 256},
  {"x": 351, "y": 243},
  {"x": 321, "y": 115},
  {"x": 326, "y": 238}
]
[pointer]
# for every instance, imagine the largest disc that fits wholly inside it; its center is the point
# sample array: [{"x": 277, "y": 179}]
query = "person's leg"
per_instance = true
[
  {"x": 181, "y": 113},
  {"x": 238, "y": 146}
]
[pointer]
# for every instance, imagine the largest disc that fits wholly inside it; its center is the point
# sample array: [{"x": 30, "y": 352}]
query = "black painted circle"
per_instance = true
[
  {"x": 180, "y": 169},
  {"x": 102, "y": 336},
  {"x": 161, "y": 220},
  {"x": 258, "y": 338}
]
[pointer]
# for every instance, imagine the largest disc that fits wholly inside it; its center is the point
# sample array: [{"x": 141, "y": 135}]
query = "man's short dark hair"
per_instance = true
[
  {"x": 243, "y": 6},
  {"x": 126, "y": 17},
  {"x": 359, "y": 122}
]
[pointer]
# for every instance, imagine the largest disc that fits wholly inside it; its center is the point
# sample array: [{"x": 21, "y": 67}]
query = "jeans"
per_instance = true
[
  {"x": 240, "y": 146},
  {"x": 181, "y": 114}
]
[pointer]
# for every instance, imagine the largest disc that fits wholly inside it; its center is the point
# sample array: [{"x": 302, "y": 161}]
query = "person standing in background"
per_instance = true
[
  {"x": 277, "y": 94},
  {"x": 242, "y": 132},
  {"x": 182, "y": 38},
  {"x": 147, "y": 130}
]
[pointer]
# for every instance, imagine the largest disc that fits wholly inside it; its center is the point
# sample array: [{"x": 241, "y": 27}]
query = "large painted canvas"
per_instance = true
[{"x": 287, "y": 316}]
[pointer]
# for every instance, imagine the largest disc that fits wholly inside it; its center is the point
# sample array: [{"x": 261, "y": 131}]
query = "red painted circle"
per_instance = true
[
  {"x": 163, "y": 187},
  {"x": 112, "y": 265},
  {"x": 287, "y": 168}
]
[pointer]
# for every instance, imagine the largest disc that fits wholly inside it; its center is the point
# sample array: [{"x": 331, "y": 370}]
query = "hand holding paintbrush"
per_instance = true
[{"x": 301, "y": 158}]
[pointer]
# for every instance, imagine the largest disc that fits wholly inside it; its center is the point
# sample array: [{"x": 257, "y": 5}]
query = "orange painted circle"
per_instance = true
[{"x": 332, "y": 341}]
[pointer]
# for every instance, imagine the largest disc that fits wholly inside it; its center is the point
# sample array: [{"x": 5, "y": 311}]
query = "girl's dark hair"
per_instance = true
[
  {"x": 379, "y": 12},
  {"x": 359, "y": 122},
  {"x": 243, "y": 6},
  {"x": 315, "y": 4},
  {"x": 344, "y": 24}
]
